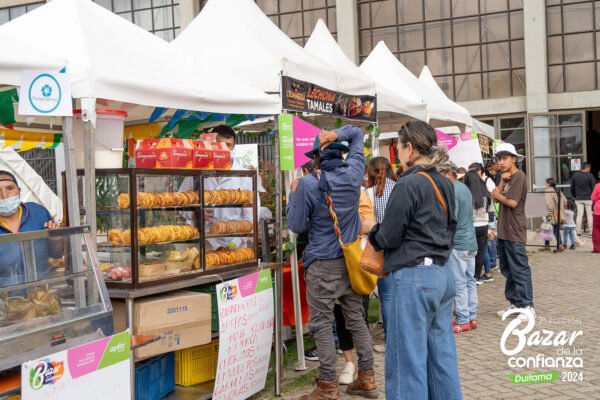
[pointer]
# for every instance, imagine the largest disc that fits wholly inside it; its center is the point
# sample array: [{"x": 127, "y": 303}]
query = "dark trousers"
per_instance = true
[
  {"x": 481, "y": 236},
  {"x": 343, "y": 334},
  {"x": 514, "y": 265}
]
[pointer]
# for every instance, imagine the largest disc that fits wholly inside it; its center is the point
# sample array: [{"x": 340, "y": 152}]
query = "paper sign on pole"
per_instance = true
[
  {"x": 45, "y": 93},
  {"x": 466, "y": 153},
  {"x": 296, "y": 137},
  {"x": 97, "y": 370},
  {"x": 245, "y": 335}
]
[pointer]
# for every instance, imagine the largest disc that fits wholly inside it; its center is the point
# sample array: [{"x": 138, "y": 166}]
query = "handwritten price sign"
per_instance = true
[{"x": 245, "y": 335}]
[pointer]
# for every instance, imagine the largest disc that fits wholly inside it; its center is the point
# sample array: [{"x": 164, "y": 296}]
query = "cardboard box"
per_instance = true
[
  {"x": 164, "y": 153},
  {"x": 182, "y": 319},
  {"x": 203, "y": 155},
  {"x": 221, "y": 155}
]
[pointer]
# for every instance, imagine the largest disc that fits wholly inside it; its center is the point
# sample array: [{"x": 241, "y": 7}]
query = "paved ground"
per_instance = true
[{"x": 567, "y": 297}]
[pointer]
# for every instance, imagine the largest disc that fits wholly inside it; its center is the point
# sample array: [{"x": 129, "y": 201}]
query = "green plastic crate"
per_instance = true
[{"x": 212, "y": 290}]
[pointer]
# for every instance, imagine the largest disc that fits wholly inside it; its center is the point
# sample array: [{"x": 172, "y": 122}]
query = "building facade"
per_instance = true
[{"x": 529, "y": 68}]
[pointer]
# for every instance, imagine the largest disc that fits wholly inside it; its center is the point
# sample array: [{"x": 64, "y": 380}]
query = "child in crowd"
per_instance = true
[
  {"x": 547, "y": 233},
  {"x": 569, "y": 227}
]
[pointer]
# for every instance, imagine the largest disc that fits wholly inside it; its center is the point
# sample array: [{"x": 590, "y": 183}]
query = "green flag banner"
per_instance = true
[{"x": 7, "y": 111}]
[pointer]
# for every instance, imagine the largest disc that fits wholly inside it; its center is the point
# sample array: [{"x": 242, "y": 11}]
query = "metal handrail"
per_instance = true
[{"x": 43, "y": 234}]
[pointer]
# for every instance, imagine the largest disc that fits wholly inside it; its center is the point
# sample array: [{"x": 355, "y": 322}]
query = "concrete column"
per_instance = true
[
  {"x": 188, "y": 10},
  {"x": 346, "y": 17},
  {"x": 536, "y": 59}
]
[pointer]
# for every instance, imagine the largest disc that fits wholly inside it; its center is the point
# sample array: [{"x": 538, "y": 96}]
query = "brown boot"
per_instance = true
[
  {"x": 364, "y": 385},
  {"x": 325, "y": 391}
]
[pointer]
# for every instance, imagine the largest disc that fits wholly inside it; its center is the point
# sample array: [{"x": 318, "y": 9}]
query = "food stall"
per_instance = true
[{"x": 102, "y": 69}]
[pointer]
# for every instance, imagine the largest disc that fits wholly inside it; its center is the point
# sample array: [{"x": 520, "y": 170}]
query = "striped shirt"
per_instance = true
[{"x": 380, "y": 202}]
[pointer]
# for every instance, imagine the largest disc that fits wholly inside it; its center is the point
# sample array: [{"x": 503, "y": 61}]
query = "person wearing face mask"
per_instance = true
[{"x": 17, "y": 217}]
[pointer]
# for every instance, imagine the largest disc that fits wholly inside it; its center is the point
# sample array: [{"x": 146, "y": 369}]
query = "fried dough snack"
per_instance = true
[
  {"x": 225, "y": 256},
  {"x": 230, "y": 227},
  {"x": 228, "y": 196},
  {"x": 155, "y": 234},
  {"x": 165, "y": 199}
]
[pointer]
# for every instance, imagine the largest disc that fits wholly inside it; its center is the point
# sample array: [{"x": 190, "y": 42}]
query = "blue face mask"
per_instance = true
[{"x": 9, "y": 206}]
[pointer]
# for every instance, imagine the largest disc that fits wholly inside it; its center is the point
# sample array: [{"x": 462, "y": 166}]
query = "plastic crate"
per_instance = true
[
  {"x": 212, "y": 290},
  {"x": 196, "y": 364},
  {"x": 155, "y": 378}
]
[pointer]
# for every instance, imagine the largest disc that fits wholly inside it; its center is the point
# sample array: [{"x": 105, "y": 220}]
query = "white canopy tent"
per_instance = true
[
  {"x": 323, "y": 46},
  {"x": 111, "y": 58},
  {"x": 386, "y": 70},
  {"x": 427, "y": 78},
  {"x": 236, "y": 36}
]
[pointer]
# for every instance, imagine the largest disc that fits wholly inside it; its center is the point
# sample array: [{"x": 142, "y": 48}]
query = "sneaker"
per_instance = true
[
  {"x": 479, "y": 281},
  {"x": 487, "y": 278},
  {"x": 493, "y": 267},
  {"x": 339, "y": 351},
  {"x": 348, "y": 374},
  {"x": 458, "y": 328},
  {"x": 524, "y": 316},
  {"x": 473, "y": 324},
  {"x": 311, "y": 354},
  {"x": 572, "y": 247},
  {"x": 508, "y": 307},
  {"x": 379, "y": 348}
]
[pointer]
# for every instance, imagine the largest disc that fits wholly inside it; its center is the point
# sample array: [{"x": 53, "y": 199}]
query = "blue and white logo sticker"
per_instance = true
[{"x": 45, "y": 93}]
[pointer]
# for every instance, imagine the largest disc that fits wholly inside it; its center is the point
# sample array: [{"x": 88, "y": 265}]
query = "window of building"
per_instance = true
[
  {"x": 573, "y": 45},
  {"x": 297, "y": 18},
  {"x": 556, "y": 139},
  {"x": 160, "y": 17},
  {"x": 473, "y": 48},
  {"x": 43, "y": 161},
  {"x": 512, "y": 130},
  {"x": 10, "y": 13}
]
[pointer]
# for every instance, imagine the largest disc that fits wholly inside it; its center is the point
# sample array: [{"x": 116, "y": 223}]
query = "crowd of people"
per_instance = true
[{"x": 441, "y": 231}]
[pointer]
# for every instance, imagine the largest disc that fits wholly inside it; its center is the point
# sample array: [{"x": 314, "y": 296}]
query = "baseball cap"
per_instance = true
[{"x": 507, "y": 148}]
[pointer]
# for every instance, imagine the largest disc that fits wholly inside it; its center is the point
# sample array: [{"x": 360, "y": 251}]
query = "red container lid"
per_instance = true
[{"x": 104, "y": 111}]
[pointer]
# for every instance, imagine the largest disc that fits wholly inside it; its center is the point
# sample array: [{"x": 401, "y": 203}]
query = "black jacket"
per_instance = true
[
  {"x": 582, "y": 185},
  {"x": 415, "y": 225}
]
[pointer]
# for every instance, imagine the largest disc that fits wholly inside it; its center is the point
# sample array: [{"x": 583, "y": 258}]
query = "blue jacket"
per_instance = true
[
  {"x": 306, "y": 206},
  {"x": 12, "y": 271}
]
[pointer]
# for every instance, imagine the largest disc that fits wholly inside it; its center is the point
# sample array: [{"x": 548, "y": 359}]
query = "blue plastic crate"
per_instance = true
[{"x": 155, "y": 378}]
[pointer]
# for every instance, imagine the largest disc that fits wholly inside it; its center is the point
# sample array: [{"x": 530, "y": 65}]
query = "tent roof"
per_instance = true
[
  {"x": 111, "y": 58},
  {"x": 235, "y": 35},
  {"x": 323, "y": 46},
  {"x": 459, "y": 112},
  {"x": 385, "y": 68}
]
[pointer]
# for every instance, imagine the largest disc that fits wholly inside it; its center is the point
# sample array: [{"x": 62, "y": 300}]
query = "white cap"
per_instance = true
[{"x": 508, "y": 148}]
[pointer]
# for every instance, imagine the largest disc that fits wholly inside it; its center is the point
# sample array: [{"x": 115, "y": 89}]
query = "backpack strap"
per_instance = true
[
  {"x": 438, "y": 194},
  {"x": 334, "y": 218}
]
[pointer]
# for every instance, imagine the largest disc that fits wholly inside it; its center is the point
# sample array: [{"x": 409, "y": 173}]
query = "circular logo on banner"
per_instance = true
[{"x": 45, "y": 93}]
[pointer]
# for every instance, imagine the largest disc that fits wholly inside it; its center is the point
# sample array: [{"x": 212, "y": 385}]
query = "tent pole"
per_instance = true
[
  {"x": 89, "y": 154},
  {"x": 72, "y": 196},
  {"x": 301, "y": 364},
  {"x": 278, "y": 271}
]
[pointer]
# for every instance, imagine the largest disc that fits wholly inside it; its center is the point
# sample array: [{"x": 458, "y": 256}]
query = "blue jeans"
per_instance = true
[
  {"x": 570, "y": 232},
  {"x": 492, "y": 252},
  {"x": 514, "y": 265},
  {"x": 462, "y": 265},
  {"x": 384, "y": 287},
  {"x": 487, "y": 259},
  {"x": 420, "y": 358}
]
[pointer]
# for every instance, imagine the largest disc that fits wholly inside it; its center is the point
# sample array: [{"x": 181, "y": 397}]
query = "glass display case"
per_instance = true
[
  {"x": 160, "y": 225},
  {"x": 52, "y": 294}
]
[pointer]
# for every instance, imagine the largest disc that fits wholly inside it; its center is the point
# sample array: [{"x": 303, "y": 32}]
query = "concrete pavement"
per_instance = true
[{"x": 567, "y": 298}]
